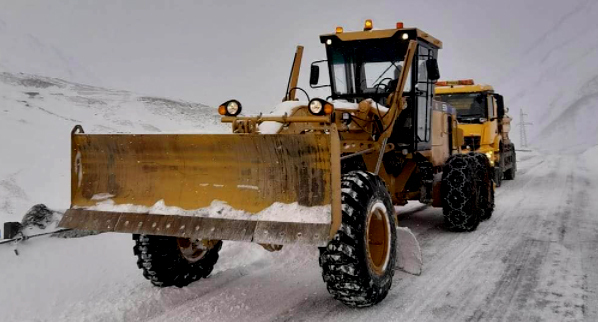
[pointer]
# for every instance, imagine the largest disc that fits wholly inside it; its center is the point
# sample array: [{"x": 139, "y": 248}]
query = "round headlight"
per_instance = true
[
  {"x": 316, "y": 107},
  {"x": 230, "y": 108}
]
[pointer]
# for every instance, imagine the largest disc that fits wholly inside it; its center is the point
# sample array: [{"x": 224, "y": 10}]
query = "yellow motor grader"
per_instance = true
[{"x": 322, "y": 172}]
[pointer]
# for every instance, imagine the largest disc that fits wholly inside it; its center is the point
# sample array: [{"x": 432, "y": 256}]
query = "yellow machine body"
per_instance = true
[
  {"x": 487, "y": 135},
  {"x": 166, "y": 184}
]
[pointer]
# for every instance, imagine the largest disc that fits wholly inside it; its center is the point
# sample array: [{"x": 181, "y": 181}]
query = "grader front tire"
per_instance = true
[
  {"x": 168, "y": 261},
  {"x": 358, "y": 263}
]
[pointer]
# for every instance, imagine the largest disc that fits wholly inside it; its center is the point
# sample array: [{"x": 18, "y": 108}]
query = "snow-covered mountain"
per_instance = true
[
  {"x": 37, "y": 114},
  {"x": 556, "y": 83}
]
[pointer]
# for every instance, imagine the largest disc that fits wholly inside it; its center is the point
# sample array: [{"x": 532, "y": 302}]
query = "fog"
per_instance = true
[{"x": 211, "y": 51}]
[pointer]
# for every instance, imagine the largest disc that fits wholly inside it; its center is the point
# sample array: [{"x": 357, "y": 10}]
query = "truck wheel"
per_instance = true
[
  {"x": 497, "y": 176},
  {"x": 499, "y": 168},
  {"x": 484, "y": 173},
  {"x": 510, "y": 174},
  {"x": 358, "y": 263},
  {"x": 459, "y": 194},
  {"x": 167, "y": 261}
]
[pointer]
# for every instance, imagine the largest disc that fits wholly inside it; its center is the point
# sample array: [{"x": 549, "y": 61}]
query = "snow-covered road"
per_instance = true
[{"x": 536, "y": 259}]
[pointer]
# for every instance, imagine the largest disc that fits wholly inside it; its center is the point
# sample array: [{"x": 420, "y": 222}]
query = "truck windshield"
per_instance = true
[
  {"x": 361, "y": 69},
  {"x": 468, "y": 105}
]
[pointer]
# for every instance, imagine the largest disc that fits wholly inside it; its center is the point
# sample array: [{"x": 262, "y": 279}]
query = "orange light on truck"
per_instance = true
[
  {"x": 339, "y": 30},
  {"x": 368, "y": 25}
]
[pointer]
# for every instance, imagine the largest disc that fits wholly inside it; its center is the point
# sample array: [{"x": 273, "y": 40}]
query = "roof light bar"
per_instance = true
[{"x": 456, "y": 82}]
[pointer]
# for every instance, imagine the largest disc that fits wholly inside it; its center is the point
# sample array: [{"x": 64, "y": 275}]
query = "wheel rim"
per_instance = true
[
  {"x": 378, "y": 238},
  {"x": 192, "y": 250}
]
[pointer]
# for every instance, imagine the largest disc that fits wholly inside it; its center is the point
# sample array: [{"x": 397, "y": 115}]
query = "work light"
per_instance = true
[{"x": 230, "y": 108}]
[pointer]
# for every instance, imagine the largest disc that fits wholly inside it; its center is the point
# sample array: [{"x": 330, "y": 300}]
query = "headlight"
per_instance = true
[
  {"x": 490, "y": 156},
  {"x": 316, "y": 107},
  {"x": 230, "y": 108},
  {"x": 319, "y": 106}
]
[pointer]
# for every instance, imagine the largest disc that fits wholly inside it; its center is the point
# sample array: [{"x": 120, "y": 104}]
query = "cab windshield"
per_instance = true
[
  {"x": 361, "y": 69},
  {"x": 469, "y": 106}
]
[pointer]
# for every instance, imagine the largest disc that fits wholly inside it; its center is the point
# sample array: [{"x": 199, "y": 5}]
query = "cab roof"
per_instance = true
[{"x": 413, "y": 33}]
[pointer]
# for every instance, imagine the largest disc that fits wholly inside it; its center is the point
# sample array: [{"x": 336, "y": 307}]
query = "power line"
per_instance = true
[{"x": 522, "y": 124}]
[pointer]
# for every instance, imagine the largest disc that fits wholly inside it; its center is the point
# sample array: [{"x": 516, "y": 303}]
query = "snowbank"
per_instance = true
[{"x": 38, "y": 113}]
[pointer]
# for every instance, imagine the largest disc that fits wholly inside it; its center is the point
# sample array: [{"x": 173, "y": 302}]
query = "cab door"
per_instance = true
[
  {"x": 423, "y": 91},
  {"x": 491, "y": 126}
]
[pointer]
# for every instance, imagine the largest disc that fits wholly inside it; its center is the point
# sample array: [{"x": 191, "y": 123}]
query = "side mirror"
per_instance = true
[
  {"x": 314, "y": 75},
  {"x": 432, "y": 68},
  {"x": 500, "y": 106}
]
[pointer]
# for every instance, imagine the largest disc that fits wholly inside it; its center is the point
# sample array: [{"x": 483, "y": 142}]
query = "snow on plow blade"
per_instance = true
[{"x": 271, "y": 189}]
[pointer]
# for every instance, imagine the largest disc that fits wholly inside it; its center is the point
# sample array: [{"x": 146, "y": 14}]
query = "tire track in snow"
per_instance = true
[
  {"x": 517, "y": 282},
  {"x": 448, "y": 261},
  {"x": 446, "y": 258}
]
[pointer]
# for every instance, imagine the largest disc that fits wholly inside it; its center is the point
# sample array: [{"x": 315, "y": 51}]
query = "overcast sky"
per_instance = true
[{"x": 210, "y": 51}]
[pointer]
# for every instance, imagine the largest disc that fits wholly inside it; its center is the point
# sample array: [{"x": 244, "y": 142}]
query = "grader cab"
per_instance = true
[{"x": 325, "y": 172}]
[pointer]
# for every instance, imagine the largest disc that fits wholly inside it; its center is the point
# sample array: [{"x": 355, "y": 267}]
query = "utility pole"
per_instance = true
[{"x": 522, "y": 123}]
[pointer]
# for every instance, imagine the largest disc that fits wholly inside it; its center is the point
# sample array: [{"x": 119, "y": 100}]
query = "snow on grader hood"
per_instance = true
[{"x": 270, "y": 189}]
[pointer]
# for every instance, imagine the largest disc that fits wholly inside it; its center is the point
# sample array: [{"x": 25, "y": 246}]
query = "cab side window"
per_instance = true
[{"x": 491, "y": 113}]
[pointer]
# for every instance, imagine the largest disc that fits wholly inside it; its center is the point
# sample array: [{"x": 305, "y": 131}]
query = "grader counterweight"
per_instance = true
[{"x": 323, "y": 172}]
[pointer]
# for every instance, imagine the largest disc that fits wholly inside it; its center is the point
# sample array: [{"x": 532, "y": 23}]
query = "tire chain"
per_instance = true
[
  {"x": 483, "y": 175},
  {"x": 459, "y": 194}
]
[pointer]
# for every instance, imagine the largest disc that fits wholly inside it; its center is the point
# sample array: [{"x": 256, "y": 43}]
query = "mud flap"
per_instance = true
[
  {"x": 249, "y": 173},
  {"x": 409, "y": 254}
]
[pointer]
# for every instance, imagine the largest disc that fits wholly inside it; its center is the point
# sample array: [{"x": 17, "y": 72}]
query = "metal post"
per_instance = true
[{"x": 522, "y": 124}]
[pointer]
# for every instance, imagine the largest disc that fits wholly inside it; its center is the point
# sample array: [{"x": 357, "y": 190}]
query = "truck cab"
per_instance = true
[{"x": 482, "y": 118}]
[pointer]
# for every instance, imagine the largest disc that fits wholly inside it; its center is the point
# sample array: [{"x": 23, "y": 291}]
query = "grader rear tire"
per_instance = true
[
  {"x": 459, "y": 193},
  {"x": 168, "y": 261},
  {"x": 483, "y": 174},
  {"x": 358, "y": 264}
]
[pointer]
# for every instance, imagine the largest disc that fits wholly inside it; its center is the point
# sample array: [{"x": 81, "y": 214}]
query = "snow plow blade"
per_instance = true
[{"x": 270, "y": 189}]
